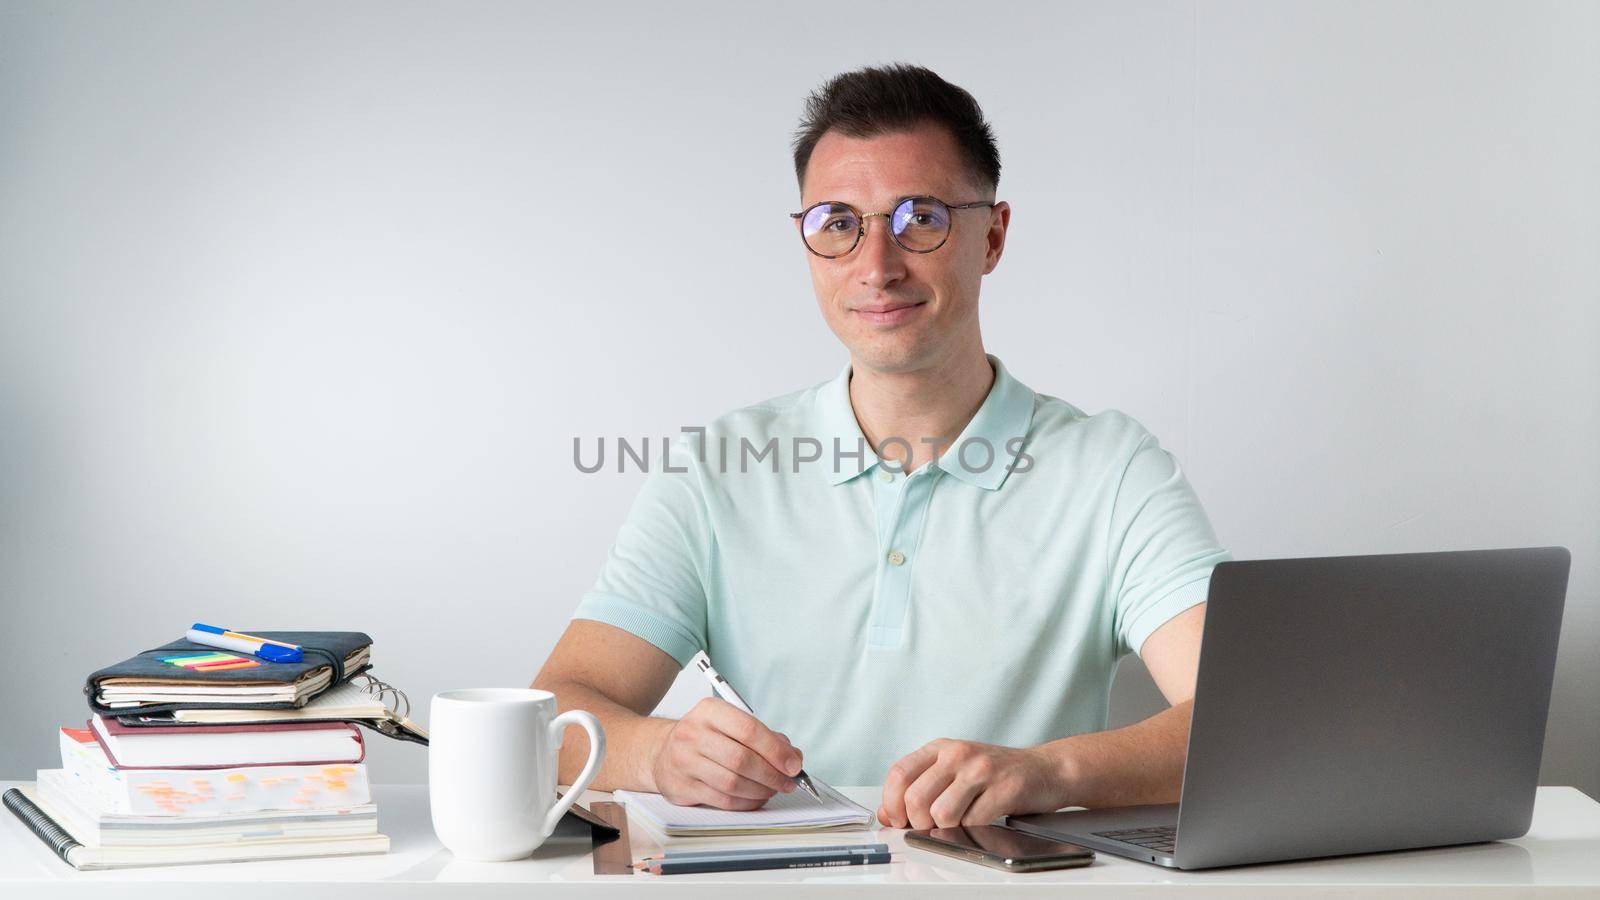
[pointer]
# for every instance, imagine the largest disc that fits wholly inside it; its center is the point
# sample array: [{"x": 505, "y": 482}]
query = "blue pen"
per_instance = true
[{"x": 266, "y": 648}]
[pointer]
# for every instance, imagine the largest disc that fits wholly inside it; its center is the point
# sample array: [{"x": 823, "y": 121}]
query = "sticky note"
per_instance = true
[
  {"x": 195, "y": 659},
  {"x": 226, "y": 666},
  {"x": 212, "y": 661}
]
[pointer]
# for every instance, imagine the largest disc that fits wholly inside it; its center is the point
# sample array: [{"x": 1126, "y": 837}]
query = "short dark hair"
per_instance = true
[{"x": 878, "y": 100}]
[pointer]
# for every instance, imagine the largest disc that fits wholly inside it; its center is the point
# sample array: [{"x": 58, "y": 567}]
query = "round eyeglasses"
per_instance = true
[{"x": 831, "y": 229}]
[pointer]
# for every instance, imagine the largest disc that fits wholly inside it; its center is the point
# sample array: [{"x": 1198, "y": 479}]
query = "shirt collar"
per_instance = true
[{"x": 1004, "y": 417}]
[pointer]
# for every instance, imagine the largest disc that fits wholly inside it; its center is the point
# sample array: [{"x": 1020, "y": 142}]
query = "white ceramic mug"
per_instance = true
[{"x": 492, "y": 769}]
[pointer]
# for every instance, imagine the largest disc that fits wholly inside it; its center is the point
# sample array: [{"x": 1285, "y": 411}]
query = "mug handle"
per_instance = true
[{"x": 597, "y": 752}]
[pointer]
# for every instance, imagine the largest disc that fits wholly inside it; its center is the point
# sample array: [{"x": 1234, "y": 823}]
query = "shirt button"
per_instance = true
[
  {"x": 896, "y": 558},
  {"x": 885, "y": 476}
]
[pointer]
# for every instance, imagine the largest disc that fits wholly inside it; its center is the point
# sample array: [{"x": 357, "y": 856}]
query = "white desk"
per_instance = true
[{"x": 1560, "y": 856}]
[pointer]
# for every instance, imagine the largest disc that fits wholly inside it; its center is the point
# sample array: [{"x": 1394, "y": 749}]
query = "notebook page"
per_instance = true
[
  {"x": 347, "y": 696},
  {"x": 796, "y": 809},
  {"x": 343, "y": 701}
]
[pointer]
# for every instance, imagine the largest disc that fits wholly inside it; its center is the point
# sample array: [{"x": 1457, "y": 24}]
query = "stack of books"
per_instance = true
[{"x": 235, "y": 761}]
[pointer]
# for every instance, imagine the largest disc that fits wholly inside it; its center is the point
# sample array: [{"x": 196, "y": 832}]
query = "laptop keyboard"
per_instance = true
[{"x": 1157, "y": 837}]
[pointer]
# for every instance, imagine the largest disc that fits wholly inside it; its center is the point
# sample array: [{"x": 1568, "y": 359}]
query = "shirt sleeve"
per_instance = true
[
  {"x": 1161, "y": 548},
  {"x": 652, "y": 584}
]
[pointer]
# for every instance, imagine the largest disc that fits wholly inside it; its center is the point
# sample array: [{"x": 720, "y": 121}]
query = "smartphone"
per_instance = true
[{"x": 1001, "y": 848}]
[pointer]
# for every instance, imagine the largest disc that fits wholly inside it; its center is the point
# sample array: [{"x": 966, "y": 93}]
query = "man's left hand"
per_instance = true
[{"x": 947, "y": 783}]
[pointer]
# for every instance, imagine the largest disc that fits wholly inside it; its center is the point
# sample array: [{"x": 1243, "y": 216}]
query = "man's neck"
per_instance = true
[{"x": 927, "y": 408}]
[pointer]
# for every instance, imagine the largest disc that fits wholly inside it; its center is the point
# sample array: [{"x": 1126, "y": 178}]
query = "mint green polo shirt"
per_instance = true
[{"x": 864, "y": 612}]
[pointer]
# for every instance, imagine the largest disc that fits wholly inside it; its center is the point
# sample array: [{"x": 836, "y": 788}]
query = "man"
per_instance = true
[{"x": 907, "y": 606}]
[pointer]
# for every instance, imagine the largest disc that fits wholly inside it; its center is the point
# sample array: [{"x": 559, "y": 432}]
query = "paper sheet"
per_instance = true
[{"x": 795, "y": 811}]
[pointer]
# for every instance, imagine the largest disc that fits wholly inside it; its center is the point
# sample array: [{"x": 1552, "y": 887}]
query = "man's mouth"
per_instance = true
[{"x": 888, "y": 313}]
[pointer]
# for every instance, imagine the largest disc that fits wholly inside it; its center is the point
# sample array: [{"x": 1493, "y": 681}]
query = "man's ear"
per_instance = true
[{"x": 999, "y": 222}]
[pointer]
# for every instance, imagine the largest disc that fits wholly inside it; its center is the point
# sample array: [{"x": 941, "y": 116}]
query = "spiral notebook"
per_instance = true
[
  {"x": 68, "y": 840},
  {"x": 796, "y": 811}
]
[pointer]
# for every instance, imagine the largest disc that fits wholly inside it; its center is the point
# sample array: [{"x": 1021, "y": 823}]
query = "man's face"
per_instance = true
[{"x": 898, "y": 311}]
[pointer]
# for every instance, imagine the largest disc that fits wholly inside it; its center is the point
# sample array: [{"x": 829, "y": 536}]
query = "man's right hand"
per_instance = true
[{"x": 720, "y": 756}]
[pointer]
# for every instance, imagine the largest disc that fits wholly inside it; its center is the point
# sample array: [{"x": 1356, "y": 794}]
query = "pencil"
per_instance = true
[
  {"x": 673, "y": 855},
  {"x": 749, "y": 863}
]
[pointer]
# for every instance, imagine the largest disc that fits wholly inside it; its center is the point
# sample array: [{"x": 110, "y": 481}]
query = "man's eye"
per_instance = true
[
  {"x": 921, "y": 220},
  {"x": 838, "y": 225}
]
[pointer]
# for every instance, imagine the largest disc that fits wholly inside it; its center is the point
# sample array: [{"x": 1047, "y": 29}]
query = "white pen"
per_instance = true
[{"x": 702, "y": 663}]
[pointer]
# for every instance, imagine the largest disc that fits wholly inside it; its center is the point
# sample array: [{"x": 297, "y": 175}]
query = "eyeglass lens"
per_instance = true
[{"x": 919, "y": 224}]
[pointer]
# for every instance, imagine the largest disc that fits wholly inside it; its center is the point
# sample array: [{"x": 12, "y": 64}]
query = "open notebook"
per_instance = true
[{"x": 791, "y": 812}]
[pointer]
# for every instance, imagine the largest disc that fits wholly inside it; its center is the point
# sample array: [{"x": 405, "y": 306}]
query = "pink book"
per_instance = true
[{"x": 227, "y": 746}]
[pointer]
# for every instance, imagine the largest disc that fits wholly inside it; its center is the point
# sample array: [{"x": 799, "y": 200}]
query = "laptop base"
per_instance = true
[{"x": 1084, "y": 827}]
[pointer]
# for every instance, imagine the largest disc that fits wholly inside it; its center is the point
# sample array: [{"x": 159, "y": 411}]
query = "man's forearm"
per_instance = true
[
  {"x": 1141, "y": 763},
  {"x": 631, "y": 739}
]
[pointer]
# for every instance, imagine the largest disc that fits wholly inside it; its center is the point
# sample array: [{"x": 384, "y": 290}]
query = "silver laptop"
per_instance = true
[{"x": 1351, "y": 705}]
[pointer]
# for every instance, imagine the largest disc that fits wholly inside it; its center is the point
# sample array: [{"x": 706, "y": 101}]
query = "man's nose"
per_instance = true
[{"x": 880, "y": 262}]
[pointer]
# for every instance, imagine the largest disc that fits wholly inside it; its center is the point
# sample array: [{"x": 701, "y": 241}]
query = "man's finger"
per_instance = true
[
  {"x": 736, "y": 757},
  {"x": 926, "y": 789},
  {"x": 748, "y": 730},
  {"x": 985, "y": 808},
  {"x": 951, "y": 806},
  {"x": 726, "y": 781},
  {"x": 901, "y": 775},
  {"x": 698, "y": 793}
]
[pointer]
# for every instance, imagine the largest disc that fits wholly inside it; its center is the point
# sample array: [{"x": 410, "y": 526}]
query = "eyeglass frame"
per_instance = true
[{"x": 861, "y": 227}]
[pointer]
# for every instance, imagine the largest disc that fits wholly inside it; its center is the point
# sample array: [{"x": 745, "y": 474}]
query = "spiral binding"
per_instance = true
[
  {"x": 39, "y": 822},
  {"x": 380, "y": 689}
]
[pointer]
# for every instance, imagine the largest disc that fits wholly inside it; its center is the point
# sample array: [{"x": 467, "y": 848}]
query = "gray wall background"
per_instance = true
[{"x": 301, "y": 306}]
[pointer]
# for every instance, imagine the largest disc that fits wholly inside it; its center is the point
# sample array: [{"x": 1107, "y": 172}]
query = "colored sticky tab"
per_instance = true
[
  {"x": 196, "y": 658},
  {"x": 214, "y": 661},
  {"x": 227, "y": 666}
]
